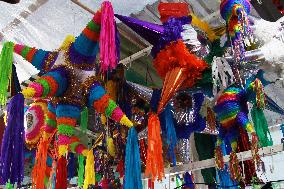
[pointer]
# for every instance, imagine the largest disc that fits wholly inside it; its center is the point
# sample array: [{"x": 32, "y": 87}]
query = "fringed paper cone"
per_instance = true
[
  {"x": 41, "y": 59},
  {"x": 101, "y": 101},
  {"x": 172, "y": 83},
  {"x": 51, "y": 84}
]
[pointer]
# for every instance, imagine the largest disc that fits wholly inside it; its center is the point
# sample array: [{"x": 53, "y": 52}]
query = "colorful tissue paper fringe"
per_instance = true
[
  {"x": 35, "y": 120},
  {"x": 81, "y": 170},
  {"x": 6, "y": 61},
  {"x": 100, "y": 100},
  {"x": 67, "y": 116},
  {"x": 40, "y": 163},
  {"x": 12, "y": 149},
  {"x": 171, "y": 133},
  {"x": 51, "y": 84},
  {"x": 177, "y": 55},
  {"x": 108, "y": 54},
  {"x": 61, "y": 173},
  {"x": 89, "y": 170},
  {"x": 132, "y": 179},
  {"x": 41, "y": 59},
  {"x": 50, "y": 121},
  {"x": 86, "y": 46},
  {"x": 155, "y": 163}
]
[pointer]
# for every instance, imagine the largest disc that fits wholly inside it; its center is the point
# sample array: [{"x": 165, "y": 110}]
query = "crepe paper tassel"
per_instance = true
[
  {"x": 81, "y": 170},
  {"x": 219, "y": 160},
  {"x": 12, "y": 149},
  {"x": 149, "y": 31},
  {"x": 211, "y": 119},
  {"x": 108, "y": 51},
  {"x": 143, "y": 152},
  {"x": 40, "y": 59},
  {"x": 172, "y": 83},
  {"x": 254, "y": 148},
  {"x": 222, "y": 74},
  {"x": 244, "y": 145},
  {"x": 40, "y": 163},
  {"x": 261, "y": 127},
  {"x": 255, "y": 93},
  {"x": 48, "y": 171},
  {"x": 151, "y": 184},
  {"x": 171, "y": 133},
  {"x": 9, "y": 185},
  {"x": 67, "y": 116},
  {"x": 110, "y": 147},
  {"x": 155, "y": 162},
  {"x": 84, "y": 120},
  {"x": 178, "y": 182},
  {"x": 234, "y": 167},
  {"x": 225, "y": 180},
  {"x": 71, "y": 166},
  {"x": 188, "y": 180},
  {"x": 104, "y": 183},
  {"x": 2, "y": 127},
  {"x": 89, "y": 170},
  {"x": 52, "y": 178},
  {"x": 132, "y": 179},
  {"x": 120, "y": 168},
  {"x": 61, "y": 173},
  {"x": 6, "y": 61}
]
